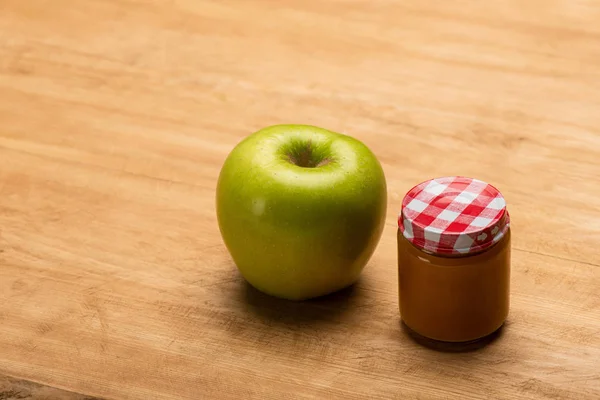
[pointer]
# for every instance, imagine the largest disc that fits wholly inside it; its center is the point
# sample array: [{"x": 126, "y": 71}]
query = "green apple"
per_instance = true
[{"x": 301, "y": 209}]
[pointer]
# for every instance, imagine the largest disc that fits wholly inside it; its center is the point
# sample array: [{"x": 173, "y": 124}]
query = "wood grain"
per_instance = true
[
  {"x": 13, "y": 389},
  {"x": 116, "y": 115}
]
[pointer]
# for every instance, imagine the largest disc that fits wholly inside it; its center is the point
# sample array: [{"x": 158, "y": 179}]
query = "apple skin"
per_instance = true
[{"x": 299, "y": 232}]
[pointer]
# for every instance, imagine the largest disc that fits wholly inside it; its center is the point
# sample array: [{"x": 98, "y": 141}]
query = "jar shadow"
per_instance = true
[{"x": 452, "y": 347}]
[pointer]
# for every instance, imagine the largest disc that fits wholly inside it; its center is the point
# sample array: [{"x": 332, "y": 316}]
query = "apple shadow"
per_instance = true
[
  {"x": 452, "y": 347},
  {"x": 323, "y": 310}
]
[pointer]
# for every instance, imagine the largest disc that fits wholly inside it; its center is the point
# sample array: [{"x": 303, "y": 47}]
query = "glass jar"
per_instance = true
[{"x": 454, "y": 259}]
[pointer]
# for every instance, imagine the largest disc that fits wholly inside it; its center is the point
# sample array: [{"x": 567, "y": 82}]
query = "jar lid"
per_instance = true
[{"x": 453, "y": 215}]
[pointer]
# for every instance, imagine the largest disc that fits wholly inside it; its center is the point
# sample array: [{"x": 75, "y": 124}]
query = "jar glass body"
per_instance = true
[{"x": 454, "y": 298}]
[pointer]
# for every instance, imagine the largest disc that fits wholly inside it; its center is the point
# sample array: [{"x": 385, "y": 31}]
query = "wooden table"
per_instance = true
[{"x": 116, "y": 115}]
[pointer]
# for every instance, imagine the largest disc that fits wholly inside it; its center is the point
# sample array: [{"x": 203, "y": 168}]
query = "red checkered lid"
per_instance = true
[{"x": 453, "y": 216}]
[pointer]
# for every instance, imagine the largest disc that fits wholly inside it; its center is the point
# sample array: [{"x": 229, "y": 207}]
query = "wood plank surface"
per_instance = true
[
  {"x": 116, "y": 115},
  {"x": 13, "y": 389}
]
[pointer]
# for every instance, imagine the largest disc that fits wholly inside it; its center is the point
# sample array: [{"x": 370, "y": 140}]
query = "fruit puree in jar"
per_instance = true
[{"x": 454, "y": 245}]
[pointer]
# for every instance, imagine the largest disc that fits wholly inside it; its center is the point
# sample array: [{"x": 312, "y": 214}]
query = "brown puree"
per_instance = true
[{"x": 454, "y": 298}]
